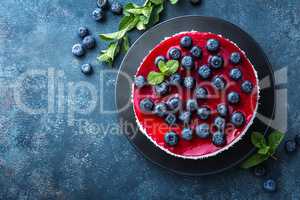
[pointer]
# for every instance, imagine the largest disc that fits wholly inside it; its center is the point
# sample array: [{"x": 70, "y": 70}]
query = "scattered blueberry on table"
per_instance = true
[
  {"x": 102, "y": 4},
  {"x": 78, "y": 50},
  {"x": 116, "y": 8},
  {"x": 86, "y": 69},
  {"x": 89, "y": 42},
  {"x": 270, "y": 185},
  {"x": 98, "y": 14},
  {"x": 290, "y": 146},
  {"x": 83, "y": 31}
]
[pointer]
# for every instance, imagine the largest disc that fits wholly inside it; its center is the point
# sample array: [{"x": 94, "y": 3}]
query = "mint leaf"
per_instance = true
[
  {"x": 128, "y": 22},
  {"x": 254, "y": 160},
  {"x": 173, "y": 1},
  {"x": 109, "y": 54},
  {"x": 163, "y": 68},
  {"x": 264, "y": 151},
  {"x": 274, "y": 140},
  {"x": 258, "y": 140},
  {"x": 157, "y": 2},
  {"x": 154, "y": 18},
  {"x": 146, "y": 11},
  {"x": 125, "y": 43},
  {"x": 113, "y": 36},
  {"x": 155, "y": 78},
  {"x": 172, "y": 66}
]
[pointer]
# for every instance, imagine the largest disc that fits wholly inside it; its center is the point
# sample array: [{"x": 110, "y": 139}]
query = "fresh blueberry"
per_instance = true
[
  {"x": 196, "y": 52},
  {"x": 204, "y": 71},
  {"x": 259, "y": 170},
  {"x": 185, "y": 117},
  {"x": 201, "y": 93},
  {"x": 219, "y": 139},
  {"x": 171, "y": 138},
  {"x": 203, "y": 112},
  {"x": 202, "y": 131},
  {"x": 297, "y": 139},
  {"x": 83, "y": 31},
  {"x": 235, "y": 58},
  {"x": 174, "y": 53},
  {"x": 235, "y": 74},
  {"x": 102, "y": 3},
  {"x": 116, "y": 8},
  {"x": 188, "y": 62},
  {"x": 173, "y": 103},
  {"x": 146, "y": 105},
  {"x": 290, "y": 146},
  {"x": 189, "y": 82},
  {"x": 195, "y": 2},
  {"x": 187, "y": 134},
  {"x": 78, "y": 50},
  {"x": 170, "y": 119},
  {"x": 222, "y": 110},
  {"x": 270, "y": 185},
  {"x": 89, "y": 42},
  {"x": 191, "y": 105},
  {"x": 216, "y": 62},
  {"x": 247, "y": 87},
  {"x": 140, "y": 81},
  {"x": 98, "y": 14},
  {"x": 158, "y": 59},
  {"x": 237, "y": 119},
  {"x": 161, "y": 89},
  {"x": 219, "y": 122},
  {"x": 212, "y": 45},
  {"x": 87, "y": 69},
  {"x": 186, "y": 42},
  {"x": 160, "y": 109},
  {"x": 219, "y": 82},
  {"x": 233, "y": 97},
  {"x": 175, "y": 79}
]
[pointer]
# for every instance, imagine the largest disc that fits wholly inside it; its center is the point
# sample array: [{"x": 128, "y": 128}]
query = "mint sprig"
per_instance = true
[
  {"x": 265, "y": 149},
  {"x": 166, "y": 69},
  {"x": 135, "y": 17}
]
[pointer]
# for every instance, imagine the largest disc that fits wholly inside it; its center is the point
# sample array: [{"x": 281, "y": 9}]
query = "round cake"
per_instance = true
[{"x": 195, "y": 94}]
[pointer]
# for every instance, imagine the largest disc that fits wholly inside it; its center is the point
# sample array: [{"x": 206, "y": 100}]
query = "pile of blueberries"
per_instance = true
[
  {"x": 102, "y": 5},
  {"x": 169, "y": 109}
]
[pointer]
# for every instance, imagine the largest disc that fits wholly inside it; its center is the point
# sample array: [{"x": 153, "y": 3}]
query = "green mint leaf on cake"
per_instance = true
[
  {"x": 155, "y": 78},
  {"x": 274, "y": 139},
  {"x": 168, "y": 68},
  {"x": 254, "y": 160}
]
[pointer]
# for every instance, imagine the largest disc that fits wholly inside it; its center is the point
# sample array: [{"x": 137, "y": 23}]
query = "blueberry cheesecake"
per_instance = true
[{"x": 195, "y": 95}]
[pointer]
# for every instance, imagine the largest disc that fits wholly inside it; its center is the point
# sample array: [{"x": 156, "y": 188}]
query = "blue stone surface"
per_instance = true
[{"x": 58, "y": 155}]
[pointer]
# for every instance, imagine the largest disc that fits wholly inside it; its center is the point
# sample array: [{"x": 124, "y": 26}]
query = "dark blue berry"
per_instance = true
[
  {"x": 98, "y": 14},
  {"x": 270, "y": 185},
  {"x": 171, "y": 138},
  {"x": 146, "y": 105},
  {"x": 83, "y": 31},
  {"x": 173, "y": 103},
  {"x": 235, "y": 58},
  {"x": 222, "y": 110},
  {"x": 102, "y": 3},
  {"x": 202, "y": 131},
  {"x": 116, "y": 8},
  {"x": 259, "y": 170},
  {"x": 158, "y": 59},
  {"x": 204, "y": 71},
  {"x": 174, "y": 53},
  {"x": 189, "y": 82},
  {"x": 161, "y": 89},
  {"x": 89, "y": 42},
  {"x": 191, "y": 105},
  {"x": 78, "y": 50},
  {"x": 219, "y": 82},
  {"x": 290, "y": 146},
  {"x": 237, "y": 119},
  {"x": 195, "y": 2},
  {"x": 247, "y": 87},
  {"x": 186, "y": 42},
  {"x": 233, "y": 97},
  {"x": 188, "y": 62},
  {"x": 297, "y": 139},
  {"x": 212, "y": 45},
  {"x": 196, "y": 52},
  {"x": 87, "y": 69},
  {"x": 203, "y": 112},
  {"x": 160, "y": 109},
  {"x": 140, "y": 81},
  {"x": 216, "y": 62},
  {"x": 201, "y": 93},
  {"x": 170, "y": 119},
  {"x": 219, "y": 122},
  {"x": 219, "y": 139},
  {"x": 175, "y": 79},
  {"x": 185, "y": 117},
  {"x": 187, "y": 134},
  {"x": 235, "y": 74}
]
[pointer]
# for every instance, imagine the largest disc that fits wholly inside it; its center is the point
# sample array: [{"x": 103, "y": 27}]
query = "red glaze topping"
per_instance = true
[{"x": 156, "y": 127}]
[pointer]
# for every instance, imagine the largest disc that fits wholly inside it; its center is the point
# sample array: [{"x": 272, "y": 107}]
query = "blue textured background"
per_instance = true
[{"x": 41, "y": 157}]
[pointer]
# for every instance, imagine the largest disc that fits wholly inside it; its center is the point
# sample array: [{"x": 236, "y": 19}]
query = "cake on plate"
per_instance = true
[{"x": 195, "y": 94}]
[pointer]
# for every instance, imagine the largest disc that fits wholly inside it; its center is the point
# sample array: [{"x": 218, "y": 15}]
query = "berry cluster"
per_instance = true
[
  {"x": 171, "y": 110},
  {"x": 88, "y": 42},
  {"x": 102, "y": 5}
]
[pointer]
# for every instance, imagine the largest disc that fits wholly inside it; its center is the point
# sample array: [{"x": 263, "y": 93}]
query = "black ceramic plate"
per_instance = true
[{"x": 140, "y": 49}]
